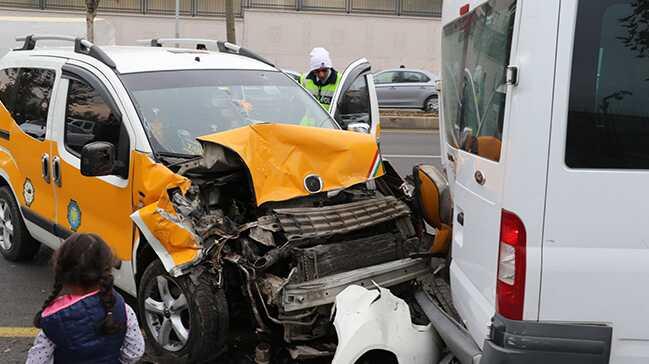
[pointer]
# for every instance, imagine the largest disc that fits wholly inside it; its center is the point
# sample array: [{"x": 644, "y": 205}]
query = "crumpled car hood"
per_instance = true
[{"x": 280, "y": 157}]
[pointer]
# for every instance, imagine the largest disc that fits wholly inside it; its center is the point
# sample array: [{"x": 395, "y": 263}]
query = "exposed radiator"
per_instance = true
[
  {"x": 323, "y": 260},
  {"x": 315, "y": 222}
]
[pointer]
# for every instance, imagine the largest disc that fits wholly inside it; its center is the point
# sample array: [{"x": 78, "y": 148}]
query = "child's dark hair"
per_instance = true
[{"x": 85, "y": 261}]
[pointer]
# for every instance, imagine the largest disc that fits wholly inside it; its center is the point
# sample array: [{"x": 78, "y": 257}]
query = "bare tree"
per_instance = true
[
  {"x": 91, "y": 13},
  {"x": 229, "y": 21}
]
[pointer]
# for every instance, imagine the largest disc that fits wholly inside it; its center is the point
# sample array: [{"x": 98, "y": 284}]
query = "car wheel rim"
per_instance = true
[
  {"x": 167, "y": 313},
  {"x": 432, "y": 104},
  {"x": 6, "y": 225}
]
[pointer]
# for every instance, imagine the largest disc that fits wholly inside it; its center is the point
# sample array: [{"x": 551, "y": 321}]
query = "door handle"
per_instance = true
[
  {"x": 56, "y": 170},
  {"x": 479, "y": 178},
  {"x": 460, "y": 218},
  {"x": 45, "y": 167}
]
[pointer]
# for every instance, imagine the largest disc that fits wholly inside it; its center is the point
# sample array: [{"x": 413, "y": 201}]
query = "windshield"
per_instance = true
[{"x": 178, "y": 106}]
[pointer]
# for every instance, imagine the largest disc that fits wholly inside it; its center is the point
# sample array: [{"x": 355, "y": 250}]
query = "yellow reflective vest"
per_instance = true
[{"x": 322, "y": 93}]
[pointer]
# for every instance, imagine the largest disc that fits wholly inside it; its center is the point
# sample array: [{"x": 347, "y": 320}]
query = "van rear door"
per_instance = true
[
  {"x": 596, "y": 243},
  {"x": 476, "y": 50}
]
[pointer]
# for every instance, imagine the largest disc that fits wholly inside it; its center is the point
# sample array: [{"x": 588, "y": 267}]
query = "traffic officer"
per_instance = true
[{"x": 322, "y": 79}]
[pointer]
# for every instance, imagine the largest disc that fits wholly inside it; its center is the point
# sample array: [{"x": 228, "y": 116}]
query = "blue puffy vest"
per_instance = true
[{"x": 76, "y": 332}]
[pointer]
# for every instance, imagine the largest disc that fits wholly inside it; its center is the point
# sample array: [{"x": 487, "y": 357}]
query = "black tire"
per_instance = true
[
  {"x": 429, "y": 101},
  {"x": 207, "y": 316},
  {"x": 21, "y": 245}
]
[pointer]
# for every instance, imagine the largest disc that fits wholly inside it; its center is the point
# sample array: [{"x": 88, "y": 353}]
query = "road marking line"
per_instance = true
[
  {"x": 18, "y": 331},
  {"x": 409, "y": 131},
  {"x": 411, "y": 156}
]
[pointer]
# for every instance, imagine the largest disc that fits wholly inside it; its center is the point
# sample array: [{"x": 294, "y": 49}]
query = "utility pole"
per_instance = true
[
  {"x": 177, "y": 34},
  {"x": 91, "y": 13},
  {"x": 229, "y": 22}
]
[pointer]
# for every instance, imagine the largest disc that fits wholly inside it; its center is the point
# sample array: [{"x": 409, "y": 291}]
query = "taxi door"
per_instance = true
[
  {"x": 355, "y": 103},
  {"x": 25, "y": 142},
  {"x": 89, "y": 111}
]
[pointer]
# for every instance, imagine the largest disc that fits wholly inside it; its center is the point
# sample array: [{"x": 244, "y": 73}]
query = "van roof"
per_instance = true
[{"x": 133, "y": 59}]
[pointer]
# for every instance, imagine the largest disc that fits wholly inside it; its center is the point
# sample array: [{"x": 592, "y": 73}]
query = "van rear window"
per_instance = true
[
  {"x": 475, "y": 54},
  {"x": 608, "y": 119}
]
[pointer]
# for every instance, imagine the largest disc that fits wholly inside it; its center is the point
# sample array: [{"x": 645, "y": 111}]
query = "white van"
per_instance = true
[{"x": 545, "y": 107}]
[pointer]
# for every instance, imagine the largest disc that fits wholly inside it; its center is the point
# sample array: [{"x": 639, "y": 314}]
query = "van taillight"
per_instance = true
[
  {"x": 464, "y": 9},
  {"x": 510, "y": 286}
]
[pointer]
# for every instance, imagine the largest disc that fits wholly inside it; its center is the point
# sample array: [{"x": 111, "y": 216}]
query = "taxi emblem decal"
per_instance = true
[
  {"x": 74, "y": 215},
  {"x": 28, "y": 192}
]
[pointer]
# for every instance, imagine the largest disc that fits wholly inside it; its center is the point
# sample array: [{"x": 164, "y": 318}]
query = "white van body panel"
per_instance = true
[
  {"x": 516, "y": 183},
  {"x": 596, "y": 244}
]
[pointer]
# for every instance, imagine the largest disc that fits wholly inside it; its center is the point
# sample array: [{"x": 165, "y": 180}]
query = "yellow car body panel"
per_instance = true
[
  {"x": 280, "y": 156},
  {"x": 173, "y": 242},
  {"x": 103, "y": 208}
]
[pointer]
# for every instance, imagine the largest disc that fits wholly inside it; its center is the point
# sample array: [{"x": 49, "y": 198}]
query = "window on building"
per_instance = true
[{"x": 608, "y": 120}]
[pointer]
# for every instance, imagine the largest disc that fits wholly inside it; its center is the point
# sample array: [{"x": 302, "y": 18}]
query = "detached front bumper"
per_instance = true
[
  {"x": 529, "y": 342},
  {"x": 323, "y": 291}
]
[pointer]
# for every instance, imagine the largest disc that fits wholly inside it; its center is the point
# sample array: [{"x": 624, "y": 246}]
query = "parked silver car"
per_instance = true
[{"x": 407, "y": 88}]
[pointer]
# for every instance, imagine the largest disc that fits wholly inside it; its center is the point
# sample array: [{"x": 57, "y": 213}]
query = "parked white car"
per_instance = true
[{"x": 544, "y": 143}]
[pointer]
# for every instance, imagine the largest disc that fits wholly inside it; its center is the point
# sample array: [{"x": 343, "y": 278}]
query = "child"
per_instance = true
[{"x": 91, "y": 323}]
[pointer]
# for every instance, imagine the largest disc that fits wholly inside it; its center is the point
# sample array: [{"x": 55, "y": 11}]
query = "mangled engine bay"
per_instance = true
[{"x": 293, "y": 257}]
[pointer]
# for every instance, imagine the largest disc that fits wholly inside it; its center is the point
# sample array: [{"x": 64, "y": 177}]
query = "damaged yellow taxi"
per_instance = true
[{"x": 229, "y": 195}]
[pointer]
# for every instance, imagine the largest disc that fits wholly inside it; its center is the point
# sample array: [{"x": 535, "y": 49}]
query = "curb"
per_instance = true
[{"x": 409, "y": 122}]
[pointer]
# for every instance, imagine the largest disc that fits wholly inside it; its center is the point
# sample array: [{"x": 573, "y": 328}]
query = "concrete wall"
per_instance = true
[
  {"x": 386, "y": 41},
  {"x": 285, "y": 37}
]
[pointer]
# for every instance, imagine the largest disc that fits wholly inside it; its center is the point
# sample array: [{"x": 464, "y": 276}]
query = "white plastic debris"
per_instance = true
[{"x": 378, "y": 320}]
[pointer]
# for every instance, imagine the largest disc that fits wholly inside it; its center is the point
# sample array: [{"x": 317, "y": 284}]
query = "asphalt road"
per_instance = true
[
  {"x": 24, "y": 286},
  {"x": 407, "y": 148}
]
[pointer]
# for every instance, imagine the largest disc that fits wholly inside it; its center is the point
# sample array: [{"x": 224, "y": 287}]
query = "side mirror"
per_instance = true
[
  {"x": 98, "y": 159},
  {"x": 359, "y": 127}
]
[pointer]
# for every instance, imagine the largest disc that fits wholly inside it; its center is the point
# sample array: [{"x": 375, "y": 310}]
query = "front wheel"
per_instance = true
[
  {"x": 184, "y": 321},
  {"x": 431, "y": 104},
  {"x": 15, "y": 242}
]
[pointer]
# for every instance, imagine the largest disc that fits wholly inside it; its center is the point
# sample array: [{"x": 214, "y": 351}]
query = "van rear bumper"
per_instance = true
[{"x": 513, "y": 342}]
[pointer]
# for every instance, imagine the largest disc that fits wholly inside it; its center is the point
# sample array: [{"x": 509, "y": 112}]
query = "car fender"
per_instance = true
[
  {"x": 165, "y": 230},
  {"x": 367, "y": 320}
]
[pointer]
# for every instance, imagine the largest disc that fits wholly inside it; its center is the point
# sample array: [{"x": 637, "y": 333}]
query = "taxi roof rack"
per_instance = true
[
  {"x": 81, "y": 46},
  {"x": 201, "y": 44}
]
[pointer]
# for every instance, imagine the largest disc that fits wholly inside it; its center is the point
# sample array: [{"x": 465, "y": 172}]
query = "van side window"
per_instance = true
[
  {"x": 89, "y": 118},
  {"x": 8, "y": 86},
  {"x": 476, "y": 50},
  {"x": 608, "y": 119},
  {"x": 32, "y": 100}
]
